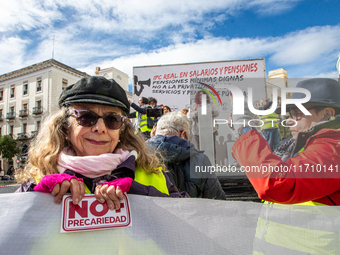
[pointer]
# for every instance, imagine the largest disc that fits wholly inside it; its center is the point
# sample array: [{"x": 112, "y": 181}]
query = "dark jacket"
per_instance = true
[{"x": 178, "y": 155}]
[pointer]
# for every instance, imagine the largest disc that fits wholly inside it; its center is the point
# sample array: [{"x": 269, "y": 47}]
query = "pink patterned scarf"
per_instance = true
[{"x": 91, "y": 166}]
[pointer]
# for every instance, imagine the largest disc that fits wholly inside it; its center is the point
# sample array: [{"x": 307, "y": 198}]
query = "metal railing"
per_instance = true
[
  {"x": 37, "y": 110},
  {"x": 10, "y": 115},
  {"x": 23, "y": 113}
]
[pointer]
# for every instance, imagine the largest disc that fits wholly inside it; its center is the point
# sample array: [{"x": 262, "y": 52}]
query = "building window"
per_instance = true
[
  {"x": 1, "y": 95},
  {"x": 11, "y": 109},
  {"x": 38, "y": 125},
  {"x": 0, "y": 131},
  {"x": 39, "y": 84},
  {"x": 1, "y": 114},
  {"x": 64, "y": 84},
  {"x": 24, "y": 128},
  {"x": 25, "y": 88},
  {"x": 38, "y": 104},
  {"x": 11, "y": 130},
  {"x": 12, "y": 93},
  {"x": 118, "y": 77}
]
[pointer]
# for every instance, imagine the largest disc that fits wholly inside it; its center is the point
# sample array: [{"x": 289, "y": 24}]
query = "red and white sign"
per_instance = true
[
  {"x": 90, "y": 214},
  {"x": 171, "y": 85}
]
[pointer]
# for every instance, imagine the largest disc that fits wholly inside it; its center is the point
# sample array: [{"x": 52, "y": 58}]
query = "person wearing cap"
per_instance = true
[
  {"x": 303, "y": 170},
  {"x": 144, "y": 123},
  {"x": 89, "y": 147},
  {"x": 315, "y": 141}
]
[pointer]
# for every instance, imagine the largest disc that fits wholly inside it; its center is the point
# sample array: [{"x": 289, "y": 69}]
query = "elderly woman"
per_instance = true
[
  {"x": 305, "y": 168},
  {"x": 89, "y": 146}
]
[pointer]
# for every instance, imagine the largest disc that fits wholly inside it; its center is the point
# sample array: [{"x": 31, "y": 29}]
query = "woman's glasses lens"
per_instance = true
[
  {"x": 88, "y": 119},
  {"x": 113, "y": 121},
  {"x": 293, "y": 114}
]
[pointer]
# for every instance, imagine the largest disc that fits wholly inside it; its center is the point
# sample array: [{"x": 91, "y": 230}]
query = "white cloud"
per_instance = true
[
  {"x": 303, "y": 48},
  {"x": 270, "y": 7},
  {"x": 106, "y": 33},
  {"x": 307, "y": 45},
  {"x": 126, "y": 15},
  {"x": 18, "y": 15},
  {"x": 12, "y": 51}
]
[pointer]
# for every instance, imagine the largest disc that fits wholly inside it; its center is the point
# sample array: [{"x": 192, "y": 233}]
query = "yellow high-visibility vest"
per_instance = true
[{"x": 269, "y": 121}]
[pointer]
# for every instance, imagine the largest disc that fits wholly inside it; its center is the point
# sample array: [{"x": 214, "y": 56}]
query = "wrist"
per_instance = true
[{"x": 243, "y": 130}]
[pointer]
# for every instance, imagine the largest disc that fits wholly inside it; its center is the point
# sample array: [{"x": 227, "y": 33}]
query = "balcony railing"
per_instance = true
[
  {"x": 23, "y": 113},
  {"x": 34, "y": 133},
  {"x": 37, "y": 110},
  {"x": 10, "y": 115},
  {"x": 21, "y": 136}
]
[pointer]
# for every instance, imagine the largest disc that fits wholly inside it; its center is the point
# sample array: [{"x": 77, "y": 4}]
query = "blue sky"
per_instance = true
[{"x": 301, "y": 36}]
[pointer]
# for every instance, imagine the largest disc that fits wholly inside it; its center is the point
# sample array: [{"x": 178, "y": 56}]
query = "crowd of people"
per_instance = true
[
  {"x": 153, "y": 157},
  {"x": 91, "y": 146}
]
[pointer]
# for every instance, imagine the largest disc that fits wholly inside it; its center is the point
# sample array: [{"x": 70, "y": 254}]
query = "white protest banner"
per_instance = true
[
  {"x": 172, "y": 84},
  {"x": 90, "y": 214},
  {"x": 30, "y": 224}
]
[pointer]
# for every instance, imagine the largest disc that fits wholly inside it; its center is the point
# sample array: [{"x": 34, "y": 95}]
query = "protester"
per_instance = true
[
  {"x": 314, "y": 144},
  {"x": 270, "y": 128},
  {"x": 152, "y": 102},
  {"x": 171, "y": 143},
  {"x": 144, "y": 123},
  {"x": 88, "y": 141},
  {"x": 302, "y": 171},
  {"x": 166, "y": 109}
]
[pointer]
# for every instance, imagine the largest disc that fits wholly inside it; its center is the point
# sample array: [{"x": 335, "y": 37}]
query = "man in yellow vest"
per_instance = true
[
  {"x": 270, "y": 128},
  {"x": 144, "y": 123}
]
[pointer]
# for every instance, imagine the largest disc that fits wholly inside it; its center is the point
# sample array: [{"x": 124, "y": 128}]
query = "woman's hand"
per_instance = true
[
  {"x": 112, "y": 192},
  {"x": 59, "y": 184},
  {"x": 110, "y": 195},
  {"x": 76, "y": 187}
]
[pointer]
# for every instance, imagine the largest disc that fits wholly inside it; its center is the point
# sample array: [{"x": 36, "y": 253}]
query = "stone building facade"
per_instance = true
[{"x": 27, "y": 96}]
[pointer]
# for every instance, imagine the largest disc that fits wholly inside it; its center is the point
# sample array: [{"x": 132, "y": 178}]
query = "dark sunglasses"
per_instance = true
[
  {"x": 297, "y": 114},
  {"x": 88, "y": 118}
]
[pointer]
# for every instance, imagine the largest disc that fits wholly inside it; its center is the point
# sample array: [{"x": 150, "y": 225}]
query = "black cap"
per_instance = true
[
  {"x": 324, "y": 92},
  {"x": 95, "y": 90}
]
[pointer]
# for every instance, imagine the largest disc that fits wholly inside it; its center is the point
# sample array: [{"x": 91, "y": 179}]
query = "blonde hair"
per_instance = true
[{"x": 45, "y": 148}]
